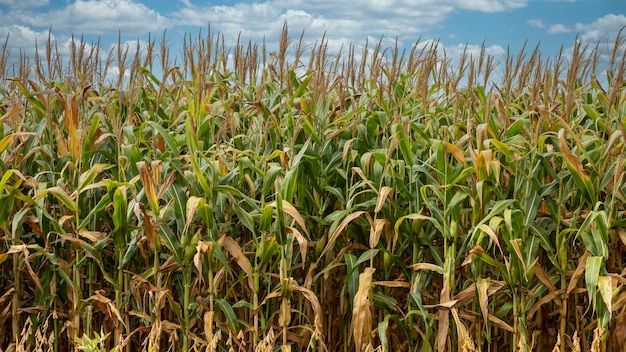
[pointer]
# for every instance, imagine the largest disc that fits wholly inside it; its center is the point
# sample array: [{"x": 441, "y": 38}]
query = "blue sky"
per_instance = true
[{"x": 500, "y": 24}]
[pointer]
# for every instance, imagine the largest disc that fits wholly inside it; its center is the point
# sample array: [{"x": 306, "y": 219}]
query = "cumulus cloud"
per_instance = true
[
  {"x": 550, "y": 29},
  {"x": 22, "y": 38},
  {"x": 406, "y": 19},
  {"x": 99, "y": 17},
  {"x": 558, "y": 29},
  {"x": 601, "y": 34},
  {"x": 603, "y": 29},
  {"x": 491, "y": 5},
  {"x": 536, "y": 22},
  {"x": 24, "y": 4}
]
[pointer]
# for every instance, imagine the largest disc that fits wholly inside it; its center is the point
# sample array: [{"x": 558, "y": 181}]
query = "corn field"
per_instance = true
[{"x": 383, "y": 200}]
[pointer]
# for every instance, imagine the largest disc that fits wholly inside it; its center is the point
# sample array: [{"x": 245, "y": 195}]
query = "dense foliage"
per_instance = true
[{"x": 253, "y": 202}]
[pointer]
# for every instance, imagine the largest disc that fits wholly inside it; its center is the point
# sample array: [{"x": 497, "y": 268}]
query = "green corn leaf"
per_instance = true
[
  {"x": 592, "y": 272},
  {"x": 61, "y": 195},
  {"x": 229, "y": 313},
  {"x": 120, "y": 221},
  {"x": 172, "y": 242},
  {"x": 131, "y": 250},
  {"x": 403, "y": 143}
]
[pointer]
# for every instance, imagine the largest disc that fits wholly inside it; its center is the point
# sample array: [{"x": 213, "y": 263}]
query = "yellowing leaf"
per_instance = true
[
  {"x": 605, "y": 286},
  {"x": 456, "y": 152},
  {"x": 192, "y": 204}
]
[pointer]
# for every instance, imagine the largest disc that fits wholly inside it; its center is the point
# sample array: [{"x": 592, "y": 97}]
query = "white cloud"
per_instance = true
[
  {"x": 24, "y": 38},
  {"x": 558, "y": 29},
  {"x": 99, "y": 17},
  {"x": 536, "y": 22},
  {"x": 24, "y": 4},
  {"x": 407, "y": 19},
  {"x": 603, "y": 29},
  {"x": 490, "y": 5},
  {"x": 601, "y": 35}
]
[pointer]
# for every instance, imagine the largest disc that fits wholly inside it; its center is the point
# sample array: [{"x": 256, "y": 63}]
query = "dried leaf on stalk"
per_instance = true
[
  {"x": 244, "y": 263},
  {"x": 482, "y": 285},
  {"x": 444, "y": 314},
  {"x": 465, "y": 342},
  {"x": 302, "y": 242},
  {"x": 382, "y": 197},
  {"x": 376, "y": 231},
  {"x": 580, "y": 268},
  {"x": 107, "y": 306},
  {"x": 149, "y": 187},
  {"x": 192, "y": 204},
  {"x": 71, "y": 125},
  {"x": 362, "y": 310},
  {"x": 290, "y": 210}
]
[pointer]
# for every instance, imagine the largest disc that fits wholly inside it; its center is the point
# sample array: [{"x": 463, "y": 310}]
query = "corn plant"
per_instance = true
[{"x": 251, "y": 200}]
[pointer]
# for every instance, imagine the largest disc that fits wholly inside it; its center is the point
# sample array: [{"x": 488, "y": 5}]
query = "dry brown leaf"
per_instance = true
[
  {"x": 208, "y": 325},
  {"x": 107, "y": 306},
  {"x": 501, "y": 324},
  {"x": 447, "y": 305},
  {"x": 472, "y": 253},
  {"x": 427, "y": 266},
  {"x": 580, "y": 269},
  {"x": 552, "y": 296},
  {"x": 202, "y": 247},
  {"x": 23, "y": 248},
  {"x": 393, "y": 284},
  {"x": 541, "y": 275},
  {"x": 290, "y": 210},
  {"x": 382, "y": 197},
  {"x": 93, "y": 236},
  {"x": 606, "y": 286},
  {"x": 362, "y": 311},
  {"x": 284, "y": 316},
  {"x": 315, "y": 305},
  {"x": 482, "y": 285},
  {"x": 619, "y": 331},
  {"x": 192, "y": 204},
  {"x": 376, "y": 231},
  {"x": 235, "y": 250},
  {"x": 444, "y": 314},
  {"x": 465, "y": 343},
  {"x": 302, "y": 242},
  {"x": 365, "y": 179},
  {"x": 149, "y": 186}
]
